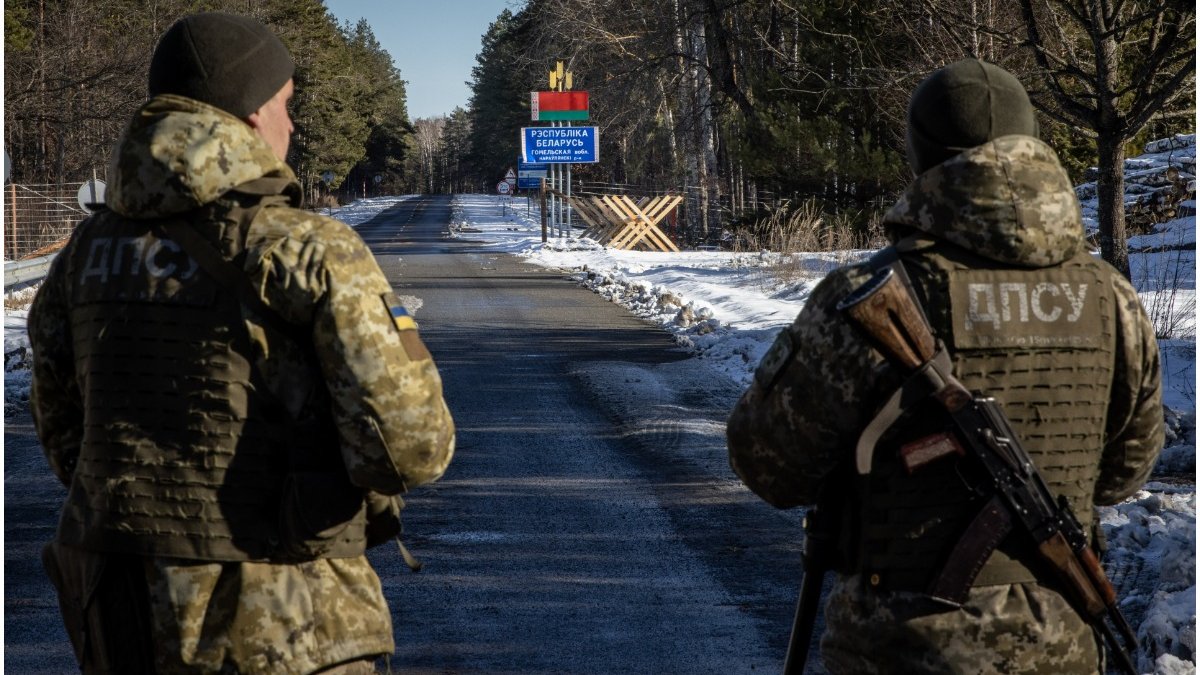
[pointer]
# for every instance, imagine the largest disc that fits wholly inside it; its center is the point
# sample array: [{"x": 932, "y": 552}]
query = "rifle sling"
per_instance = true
[{"x": 990, "y": 526}]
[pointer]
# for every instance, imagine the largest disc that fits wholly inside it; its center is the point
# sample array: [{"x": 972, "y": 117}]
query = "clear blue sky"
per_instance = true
[{"x": 432, "y": 42}]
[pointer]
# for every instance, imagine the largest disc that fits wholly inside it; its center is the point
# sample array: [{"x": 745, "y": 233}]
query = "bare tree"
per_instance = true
[
  {"x": 427, "y": 133},
  {"x": 71, "y": 86},
  {"x": 1102, "y": 68},
  {"x": 1107, "y": 68}
]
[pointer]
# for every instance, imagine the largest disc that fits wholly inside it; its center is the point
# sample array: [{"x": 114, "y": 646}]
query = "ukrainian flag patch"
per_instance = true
[{"x": 400, "y": 316}]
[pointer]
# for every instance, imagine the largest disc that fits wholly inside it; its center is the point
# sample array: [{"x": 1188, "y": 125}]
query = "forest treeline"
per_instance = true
[
  {"x": 743, "y": 105},
  {"x": 75, "y": 71}
]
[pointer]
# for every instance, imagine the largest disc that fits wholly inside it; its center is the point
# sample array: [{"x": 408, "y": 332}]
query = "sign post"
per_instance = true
[
  {"x": 542, "y": 191},
  {"x": 327, "y": 179},
  {"x": 560, "y": 143}
]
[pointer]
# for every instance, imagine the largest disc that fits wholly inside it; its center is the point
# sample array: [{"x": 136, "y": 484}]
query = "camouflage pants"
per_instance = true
[
  {"x": 1018, "y": 628},
  {"x": 131, "y": 614}
]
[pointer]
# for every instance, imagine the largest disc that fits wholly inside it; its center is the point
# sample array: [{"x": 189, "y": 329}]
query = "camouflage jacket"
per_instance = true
[
  {"x": 1005, "y": 207},
  {"x": 1008, "y": 202},
  {"x": 365, "y": 368}
]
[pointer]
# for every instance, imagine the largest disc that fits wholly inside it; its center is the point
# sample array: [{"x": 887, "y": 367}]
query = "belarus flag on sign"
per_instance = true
[{"x": 558, "y": 105}]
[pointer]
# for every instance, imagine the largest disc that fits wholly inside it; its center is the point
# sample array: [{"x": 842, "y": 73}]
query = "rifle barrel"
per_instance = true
[{"x": 802, "y": 623}]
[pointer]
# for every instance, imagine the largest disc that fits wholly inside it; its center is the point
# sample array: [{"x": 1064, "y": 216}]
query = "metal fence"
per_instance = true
[{"x": 37, "y": 217}]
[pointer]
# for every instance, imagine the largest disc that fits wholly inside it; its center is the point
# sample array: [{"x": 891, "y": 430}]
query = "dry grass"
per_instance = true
[
  {"x": 806, "y": 229},
  {"x": 1160, "y": 281},
  {"x": 19, "y": 299}
]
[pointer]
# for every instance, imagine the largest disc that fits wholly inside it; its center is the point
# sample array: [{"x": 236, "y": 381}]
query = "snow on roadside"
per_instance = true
[
  {"x": 358, "y": 212},
  {"x": 1154, "y": 531},
  {"x": 17, "y": 378},
  {"x": 727, "y": 307}
]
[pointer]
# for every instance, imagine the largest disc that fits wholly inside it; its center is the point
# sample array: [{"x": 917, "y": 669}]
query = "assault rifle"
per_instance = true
[{"x": 1018, "y": 498}]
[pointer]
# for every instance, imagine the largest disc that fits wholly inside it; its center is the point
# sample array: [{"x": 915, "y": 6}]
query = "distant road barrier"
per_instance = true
[
  {"x": 620, "y": 222},
  {"x": 22, "y": 272}
]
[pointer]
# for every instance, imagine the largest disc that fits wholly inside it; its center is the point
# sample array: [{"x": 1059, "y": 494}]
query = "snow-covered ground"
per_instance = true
[{"x": 727, "y": 307}]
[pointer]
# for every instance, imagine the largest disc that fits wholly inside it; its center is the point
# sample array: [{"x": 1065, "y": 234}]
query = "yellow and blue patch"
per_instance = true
[
  {"x": 400, "y": 316},
  {"x": 402, "y": 319}
]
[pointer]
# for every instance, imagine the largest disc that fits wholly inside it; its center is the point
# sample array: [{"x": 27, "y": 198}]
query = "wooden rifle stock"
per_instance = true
[{"x": 884, "y": 309}]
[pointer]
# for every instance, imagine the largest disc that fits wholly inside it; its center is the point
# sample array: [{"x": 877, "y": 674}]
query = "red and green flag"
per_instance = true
[{"x": 558, "y": 105}]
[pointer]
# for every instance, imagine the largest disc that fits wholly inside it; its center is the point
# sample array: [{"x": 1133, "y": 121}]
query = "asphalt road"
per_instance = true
[
  {"x": 588, "y": 523},
  {"x": 567, "y": 536}
]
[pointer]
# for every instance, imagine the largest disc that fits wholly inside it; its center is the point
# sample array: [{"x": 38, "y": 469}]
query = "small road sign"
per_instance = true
[
  {"x": 327, "y": 177},
  {"x": 530, "y": 175},
  {"x": 91, "y": 195},
  {"x": 510, "y": 177},
  {"x": 504, "y": 187}
]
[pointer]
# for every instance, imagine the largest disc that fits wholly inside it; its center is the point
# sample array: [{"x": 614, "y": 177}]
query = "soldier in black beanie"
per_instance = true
[
  {"x": 990, "y": 235},
  {"x": 230, "y": 62},
  {"x": 222, "y": 491},
  {"x": 964, "y": 105},
  {"x": 225, "y": 60}
]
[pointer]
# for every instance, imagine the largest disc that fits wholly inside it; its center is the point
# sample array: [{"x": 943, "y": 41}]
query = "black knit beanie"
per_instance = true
[
  {"x": 963, "y": 105},
  {"x": 232, "y": 62}
]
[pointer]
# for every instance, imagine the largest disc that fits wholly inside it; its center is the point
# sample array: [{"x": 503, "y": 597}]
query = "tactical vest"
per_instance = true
[
  {"x": 1042, "y": 342},
  {"x": 185, "y": 452}
]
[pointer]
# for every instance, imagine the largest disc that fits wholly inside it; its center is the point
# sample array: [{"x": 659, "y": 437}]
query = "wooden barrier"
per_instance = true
[{"x": 620, "y": 222}]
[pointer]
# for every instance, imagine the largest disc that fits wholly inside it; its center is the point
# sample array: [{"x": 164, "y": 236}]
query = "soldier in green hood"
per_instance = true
[
  {"x": 990, "y": 234},
  {"x": 229, "y": 389}
]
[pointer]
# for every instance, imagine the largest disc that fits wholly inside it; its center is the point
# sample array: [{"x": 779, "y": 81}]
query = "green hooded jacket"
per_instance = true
[{"x": 168, "y": 483}]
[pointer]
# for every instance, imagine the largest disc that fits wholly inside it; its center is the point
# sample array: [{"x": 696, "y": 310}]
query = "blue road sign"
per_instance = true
[
  {"x": 530, "y": 175},
  {"x": 560, "y": 145}
]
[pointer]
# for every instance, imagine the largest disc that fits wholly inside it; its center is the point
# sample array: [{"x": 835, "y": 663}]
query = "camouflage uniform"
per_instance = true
[
  {"x": 1087, "y": 402},
  {"x": 172, "y": 489}
]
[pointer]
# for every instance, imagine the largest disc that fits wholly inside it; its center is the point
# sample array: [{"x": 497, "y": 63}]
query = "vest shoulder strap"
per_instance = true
[{"x": 228, "y": 275}]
